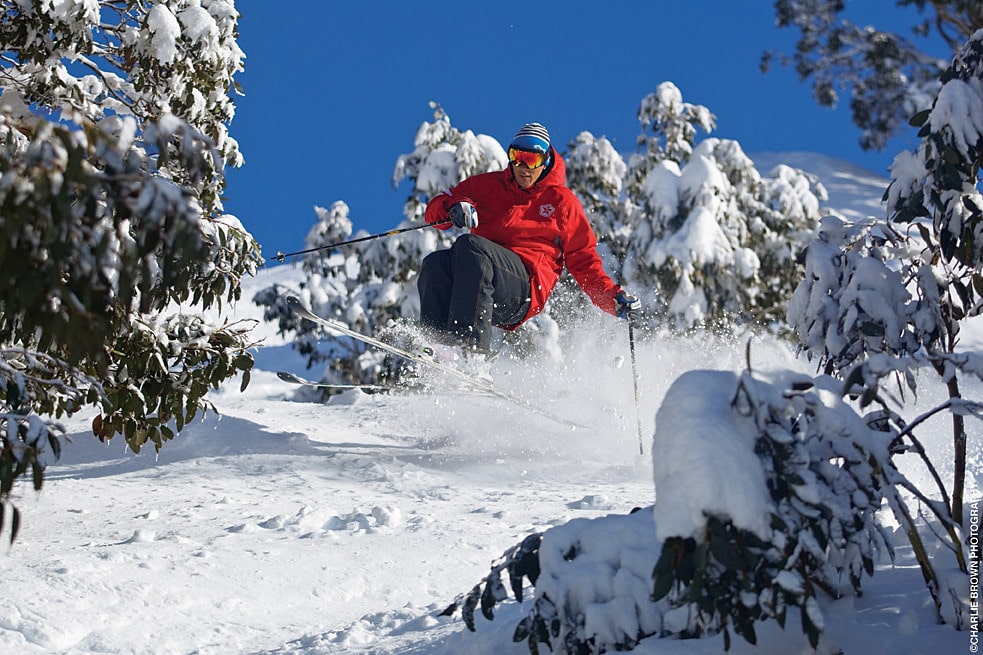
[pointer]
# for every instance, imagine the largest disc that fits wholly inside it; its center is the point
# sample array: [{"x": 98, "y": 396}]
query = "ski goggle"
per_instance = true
[{"x": 526, "y": 158}]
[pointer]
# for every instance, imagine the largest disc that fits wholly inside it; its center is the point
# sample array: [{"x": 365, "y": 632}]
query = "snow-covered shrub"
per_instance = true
[
  {"x": 766, "y": 492},
  {"x": 592, "y": 586}
]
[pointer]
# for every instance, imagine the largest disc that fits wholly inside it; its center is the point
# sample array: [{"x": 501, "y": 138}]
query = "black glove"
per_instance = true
[
  {"x": 625, "y": 304},
  {"x": 464, "y": 215}
]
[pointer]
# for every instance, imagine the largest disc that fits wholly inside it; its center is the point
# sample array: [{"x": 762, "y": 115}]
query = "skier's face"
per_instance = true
[{"x": 526, "y": 177}]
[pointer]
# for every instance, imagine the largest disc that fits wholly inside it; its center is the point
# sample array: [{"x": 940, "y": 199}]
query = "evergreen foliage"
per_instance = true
[{"x": 825, "y": 471}]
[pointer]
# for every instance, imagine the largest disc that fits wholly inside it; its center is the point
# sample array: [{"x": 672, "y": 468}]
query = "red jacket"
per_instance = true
[{"x": 544, "y": 225}]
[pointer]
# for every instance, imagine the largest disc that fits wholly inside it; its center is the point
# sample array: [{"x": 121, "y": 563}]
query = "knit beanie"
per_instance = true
[{"x": 533, "y": 137}]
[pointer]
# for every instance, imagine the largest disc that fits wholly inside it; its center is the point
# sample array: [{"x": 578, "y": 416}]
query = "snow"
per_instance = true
[
  {"x": 300, "y": 528},
  {"x": 701, "y": 240},
  {"x": 854, "y": 192},
  {"x": 166, "y": 31},
  {"x": 959, "y": 108},
  {"x": 707, "y": 465},
  {"x": 661, "y": 190},
  {"x": 198, "y": 24}
]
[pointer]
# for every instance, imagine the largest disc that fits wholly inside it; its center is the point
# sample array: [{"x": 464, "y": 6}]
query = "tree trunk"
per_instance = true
[{"x": 959, "y": 456}]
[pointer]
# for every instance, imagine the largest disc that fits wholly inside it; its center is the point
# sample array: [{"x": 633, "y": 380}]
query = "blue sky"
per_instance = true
[{"x": 335, "y": 91}]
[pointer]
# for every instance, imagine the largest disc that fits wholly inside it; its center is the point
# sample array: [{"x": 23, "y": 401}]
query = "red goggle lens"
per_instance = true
[{"x": 526, "y": 158}]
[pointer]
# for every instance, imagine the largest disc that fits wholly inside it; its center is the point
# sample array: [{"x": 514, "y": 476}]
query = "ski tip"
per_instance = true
[{"x": 287, "y": 377}]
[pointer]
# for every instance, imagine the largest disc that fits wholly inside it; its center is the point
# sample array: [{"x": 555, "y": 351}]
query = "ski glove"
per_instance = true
[
  {"x": 625, "y": 304},
  {"x": 464, "y": 215}
]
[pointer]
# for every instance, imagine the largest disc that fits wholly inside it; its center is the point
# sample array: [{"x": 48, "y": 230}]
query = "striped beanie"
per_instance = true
[{"x": 533, "y": 137}]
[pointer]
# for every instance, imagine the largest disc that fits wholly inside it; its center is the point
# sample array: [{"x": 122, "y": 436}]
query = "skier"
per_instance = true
[{"x": 524, "y": 226}]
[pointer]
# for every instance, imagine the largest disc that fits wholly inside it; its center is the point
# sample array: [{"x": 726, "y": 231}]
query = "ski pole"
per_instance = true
[
  {"x": 280, "y": 256},
  {"x": 634, "y": 373}
]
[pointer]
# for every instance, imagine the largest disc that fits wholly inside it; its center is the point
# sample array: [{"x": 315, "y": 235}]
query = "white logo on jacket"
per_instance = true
[{"x": 547, "y": 210}]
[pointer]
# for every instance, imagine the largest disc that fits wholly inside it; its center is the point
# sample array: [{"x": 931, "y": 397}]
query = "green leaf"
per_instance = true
[
  {"x": 868, "y": 397},
  {"x": 745, "y": 628},
  {"x": 809, "y": 628},
  {"x": 725, "y": 551},
  {"x": 855, "y": 378},
  {"x": 523, "y": 630},
  {"x": 494, "y": 592},
  {"x": 872, "y": 329},
  {"x": 664, "y": 573},
  {"x": 470, "y": 603},
  {"x": 55, "y": 445},
  {"x": 919, "y": 118}
]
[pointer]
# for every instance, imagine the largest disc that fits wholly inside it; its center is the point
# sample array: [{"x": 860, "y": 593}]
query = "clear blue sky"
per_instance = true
[{"x": 335, "y": 91}]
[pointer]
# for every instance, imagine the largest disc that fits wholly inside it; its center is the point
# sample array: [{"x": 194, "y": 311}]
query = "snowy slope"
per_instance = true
[
  {"x": 292, "y": 527},
  {"x": 854, "y": 192}
]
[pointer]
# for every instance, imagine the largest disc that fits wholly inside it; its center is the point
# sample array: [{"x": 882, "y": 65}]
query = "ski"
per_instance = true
[
  {"x": 291, "y": 378},
  {"x": 475, "y": 383},
  {"x": 296, "y": 379}
]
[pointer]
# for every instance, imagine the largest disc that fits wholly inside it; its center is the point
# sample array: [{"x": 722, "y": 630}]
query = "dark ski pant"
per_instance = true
[{"x": 470, "y": 287}]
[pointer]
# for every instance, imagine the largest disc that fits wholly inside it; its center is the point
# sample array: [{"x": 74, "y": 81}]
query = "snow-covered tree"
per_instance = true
[
  {"x": 442, "y": 157},
  {"x": 371, "y": 285},
  {"x": 888, "y": 78},
  {"x": 113, "y": 141},
  {"x": 873, "y": 289},
  {"x": 881, "y": 303},
  {"x": 710, "y": 235},
  {"x": 669, "y": 128}
]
